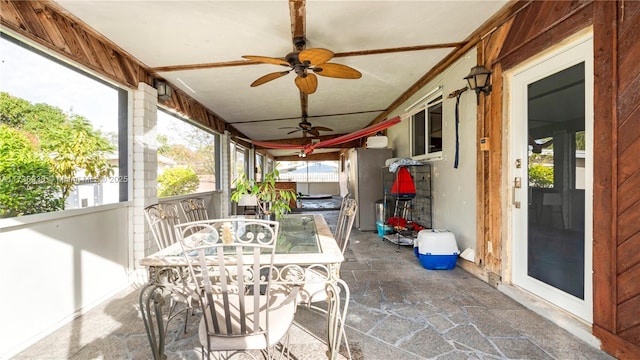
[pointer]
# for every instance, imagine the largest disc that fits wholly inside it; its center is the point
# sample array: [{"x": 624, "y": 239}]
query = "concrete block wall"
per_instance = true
[{"x": 144, "y": 168}]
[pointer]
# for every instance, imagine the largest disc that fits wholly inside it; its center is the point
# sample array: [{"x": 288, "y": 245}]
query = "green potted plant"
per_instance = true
[{"x": 272, "y": 202}]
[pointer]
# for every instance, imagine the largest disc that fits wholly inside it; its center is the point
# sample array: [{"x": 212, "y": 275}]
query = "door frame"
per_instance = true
[{"x": 570, "y": 52}]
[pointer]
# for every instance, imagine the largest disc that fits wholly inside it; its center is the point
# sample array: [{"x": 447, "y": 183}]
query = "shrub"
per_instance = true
[
  {"x": 540, "y": 176},
  {"x": 177, "y": 181},
  {"x": 27, "y": 185}
]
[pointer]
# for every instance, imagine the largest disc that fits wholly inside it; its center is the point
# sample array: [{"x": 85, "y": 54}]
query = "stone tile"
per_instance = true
[
  {"x": 470, "y": 337},
  {"x": 368, "y": 348},
  {"x": 492, "y": 299},
  {"x": 364, "y": 318},
  {"x": 440, "y": 323},
  {"x": 457, "y": 355},
  {"x": 487, "y": 324},
  {"x": 448, "y": 305},
  {"x": 417, "y": 312},
  {"x": 427, "y": 342},
  {"x": 398, "y": 311},
  {"x": 393, "y": 329},
  {"x": 430, "y": 289},
  {"x": 393, "y": 291},
  {"x": 520, "y": 348}
]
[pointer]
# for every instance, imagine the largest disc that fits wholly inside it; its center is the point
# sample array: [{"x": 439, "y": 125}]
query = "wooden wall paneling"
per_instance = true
[
  {"x": 615, "y": 345},
  {"x": 30, "y": 21},
  {"x": 633, "y": 336},
  {"x": 539, "y": 16},
  {"x": 489, "y": 164},
  {"x": 57, "y": 38},
  {"x": 604, "y": 164},
  {"x": 518, "y": 26},
  {"x": 493, "y": 131},
  {"x": 47, "y": 25},
  {"x": 482, "y": 193},
  {"x": 627, "y": 253},
  {"x": 89, "y": 45},
  {"x": 629, "y": 131},
  {"x": 629, "y": 285},
  {"x": 628, "y": 47},
  {"x": 628, "y": 314},
  {"x": 495, "y": 171},
  {"x": 629, "y": 191},
  {"x": 628, "y": 160},
  {"x": 519, "y": 48}
]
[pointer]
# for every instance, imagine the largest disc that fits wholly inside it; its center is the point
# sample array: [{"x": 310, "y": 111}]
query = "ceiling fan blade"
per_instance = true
[
  {"x": 315, "y": 132},
  {"x": 337, "y": 71},
  {"x": 291, "y": 132},
  {"x": 288, "y": 127},
  {"x": 272, "y": 76},
  {"x": 307, "y": 84},
  {"x": 315, "y": 56},
  {"x": 322, "y": 128},
  {"x": 267, "y": 60}
]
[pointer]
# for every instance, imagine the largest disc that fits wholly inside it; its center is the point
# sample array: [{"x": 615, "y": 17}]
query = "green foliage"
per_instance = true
[
  {"x": 270, "y": 199},
  {"x": 580, "y": 140},
  {"x": 67, "y": 142},
  {"x": 76, "y": 145},
  {"x": 27, "y": 185},
  {"x": 177, "y": 181},
  {"x": 540, "y": 176}
]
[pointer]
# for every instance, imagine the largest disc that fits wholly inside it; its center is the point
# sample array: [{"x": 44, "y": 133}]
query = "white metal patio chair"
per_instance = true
[
  {"x": 194, "y": 209},
  {"x": 162, "y": 218},
  {"x": 242, "y": 308},
  {"x": 342, "y": 206},
  {"x": 317, "y": 289}
]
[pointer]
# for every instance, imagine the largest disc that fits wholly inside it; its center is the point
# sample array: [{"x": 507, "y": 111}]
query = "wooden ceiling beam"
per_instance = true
[
  {"x": 170, "y": 68},
  {"x": 311, "y": 157},
  {"x": 298, "y": 14},
  {"x": 398, "y": 49},
  {"x": 304, "y": 141}
]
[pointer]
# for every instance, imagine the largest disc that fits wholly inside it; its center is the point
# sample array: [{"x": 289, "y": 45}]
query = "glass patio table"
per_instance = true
[{"x": 305, "y": 247}]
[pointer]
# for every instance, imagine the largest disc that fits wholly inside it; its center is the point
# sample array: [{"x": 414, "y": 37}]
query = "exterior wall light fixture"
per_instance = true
[
  {"x": 479, "y": 79},
  {"x": 164, "y": 90}
]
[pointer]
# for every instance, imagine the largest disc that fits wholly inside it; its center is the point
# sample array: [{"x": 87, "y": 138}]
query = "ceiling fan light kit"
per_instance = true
[{"x": 306, "y": 128}]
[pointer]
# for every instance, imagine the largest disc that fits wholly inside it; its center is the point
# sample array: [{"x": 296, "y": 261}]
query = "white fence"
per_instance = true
[{"x": 311, "y": 177}]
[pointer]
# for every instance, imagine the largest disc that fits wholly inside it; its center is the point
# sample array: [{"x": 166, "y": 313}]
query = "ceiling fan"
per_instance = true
[
  {"x": 306, "y": 128},
  {"x": 305, "y": 63}
]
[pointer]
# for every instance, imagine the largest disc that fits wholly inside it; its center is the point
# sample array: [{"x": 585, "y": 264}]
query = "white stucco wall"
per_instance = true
[
  {"x": 453, "y": 190},
  {"x": 57, "y": 265}
]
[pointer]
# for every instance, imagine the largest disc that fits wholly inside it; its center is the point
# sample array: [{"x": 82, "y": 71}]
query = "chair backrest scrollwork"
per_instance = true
[
  {"x": 161, "y": 219},
  {"x": 233, "y": 262},
  {"x": 194, "y": 209}
]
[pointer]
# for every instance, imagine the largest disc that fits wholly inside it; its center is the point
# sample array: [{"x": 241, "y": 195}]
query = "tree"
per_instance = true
[
  {"x": 179, "y": 153},
  {"x": 77, "y": 146},
  {"x": 67, "y": 142},
  {"x": 177, "y": 181},
  {"x": 27, "y": 185}
]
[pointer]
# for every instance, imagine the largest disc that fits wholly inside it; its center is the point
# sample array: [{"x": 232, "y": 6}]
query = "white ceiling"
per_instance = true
[{"x": 171, "y": 33}]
